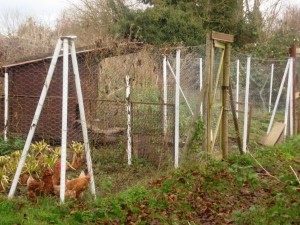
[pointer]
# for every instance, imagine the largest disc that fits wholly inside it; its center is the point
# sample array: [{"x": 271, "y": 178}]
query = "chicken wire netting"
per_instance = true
[
  {"x": 263, "y": 92},
  {"x": 192, "y": 76},
  {"x": 102, "y": 74},
  {"x": 260, "y": 81},
  {"x": 261, "y": 99}
]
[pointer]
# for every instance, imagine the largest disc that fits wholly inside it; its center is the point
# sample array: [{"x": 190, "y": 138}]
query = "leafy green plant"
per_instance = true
[
  {"x": 32, "y": 165},
  {"x": 57, "y": 151},
  {"x": 199, "y": 132},
  {"x": 40, "y": 147},
  {"x": 11, "y": 145},
  {"x": 78, "y": 150},
  {"x": 49, "y": 160},
  {"x": 4, "y": 180},
  {"x": 77, "y": 147},
  {"x": 4, "y": 160}
]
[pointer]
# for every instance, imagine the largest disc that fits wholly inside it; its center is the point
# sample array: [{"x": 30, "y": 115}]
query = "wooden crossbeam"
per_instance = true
[{"x": 222, "y": 37}]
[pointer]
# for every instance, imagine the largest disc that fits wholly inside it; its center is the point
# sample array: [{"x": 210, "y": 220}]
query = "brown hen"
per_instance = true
[
  {"x": 40, "y": 187},
  {"x": 75, "y": 187}
]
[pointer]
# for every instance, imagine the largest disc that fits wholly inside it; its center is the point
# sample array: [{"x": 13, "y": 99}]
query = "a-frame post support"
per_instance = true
[{"x": 66, "y": 41}]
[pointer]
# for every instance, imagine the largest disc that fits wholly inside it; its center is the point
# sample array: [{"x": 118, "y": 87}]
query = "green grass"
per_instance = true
[
  {"x": 113, "y": 173},
  {"x": 237, "y": 191}
]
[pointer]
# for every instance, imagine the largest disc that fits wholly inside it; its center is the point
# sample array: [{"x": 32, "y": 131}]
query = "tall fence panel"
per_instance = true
[
  {"x": 152, "y": 98},
  {"x": 103, "y": 85}
]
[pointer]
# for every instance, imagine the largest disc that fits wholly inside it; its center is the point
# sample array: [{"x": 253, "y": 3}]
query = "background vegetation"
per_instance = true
[{"x": 266, "y": 28}]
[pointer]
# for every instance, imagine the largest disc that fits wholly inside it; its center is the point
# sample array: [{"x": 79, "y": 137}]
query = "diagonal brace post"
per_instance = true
[{"x": 35, "y": 119}]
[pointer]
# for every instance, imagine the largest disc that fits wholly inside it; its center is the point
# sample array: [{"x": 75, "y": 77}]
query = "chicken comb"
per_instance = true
[{"x": 48, "y": 172}]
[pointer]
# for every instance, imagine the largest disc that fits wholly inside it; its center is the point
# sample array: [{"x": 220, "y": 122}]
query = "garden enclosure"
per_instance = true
[
  {"x": 102, "y": 73},
  {"x": 152, "y": 98}
]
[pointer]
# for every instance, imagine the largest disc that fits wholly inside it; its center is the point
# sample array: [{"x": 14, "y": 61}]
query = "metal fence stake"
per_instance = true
[
  {"x": 177, "y": 104},
  {"x": 201, "y": 84},
  {"x": 248, "y": 74},
  {"x": 165, "y": 92},
  {"x": 5, "y": 105},
  {"x": 271, "y": 87},
  {"x": 237, "y": 87},
  {"x": 128, "y": 109}
]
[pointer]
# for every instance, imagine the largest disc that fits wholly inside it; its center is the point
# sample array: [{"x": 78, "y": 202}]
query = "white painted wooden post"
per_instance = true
[
  {"x": 287, "y": 103},
  {"x": 5, "y": 105},
  {"x": 271, "y": 87},
  {"x": 165, "y": 94},
  {"x": 237, "y": 87},
  {"x": 278, "y": 96},
  {"x": 248, "y": 74},
  {"x": 291, "y": 98},
  {"x": 201, "y": 84},
  {"x": 35, "y": 119},
  {"x": 82, "y": 117},
  {"x": 286, "y": 111},
  {"x": 291, "y": 108},
  {"x": 64, "y": 125},
  {"x": 177, "y": 105},
  {"x": 128, "y": 109}
]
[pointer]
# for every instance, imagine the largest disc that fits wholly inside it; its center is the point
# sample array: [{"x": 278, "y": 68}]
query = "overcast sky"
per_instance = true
[
  {"x": 46, "y": 11},
  {"x": 49, "y": 10},
  {"x": 40, "y": 8}
]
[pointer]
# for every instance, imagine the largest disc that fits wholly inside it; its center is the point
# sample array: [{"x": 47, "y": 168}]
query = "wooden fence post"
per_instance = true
[
  {"x": 225, "y": 100},
  {"x": 209, "y": 65},
  {"x": 235, "y": 120}
]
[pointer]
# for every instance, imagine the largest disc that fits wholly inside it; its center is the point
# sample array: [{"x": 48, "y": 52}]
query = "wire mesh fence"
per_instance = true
[
  {"x": 103, "y": 85},
  {"x": 192, "y": 77},
  {"x": 103, "y": 74},
  {"x": 266, "y": 77}
]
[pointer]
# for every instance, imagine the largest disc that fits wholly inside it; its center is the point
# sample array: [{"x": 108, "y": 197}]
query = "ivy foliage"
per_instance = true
[{"x": 183, "y": 22}]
